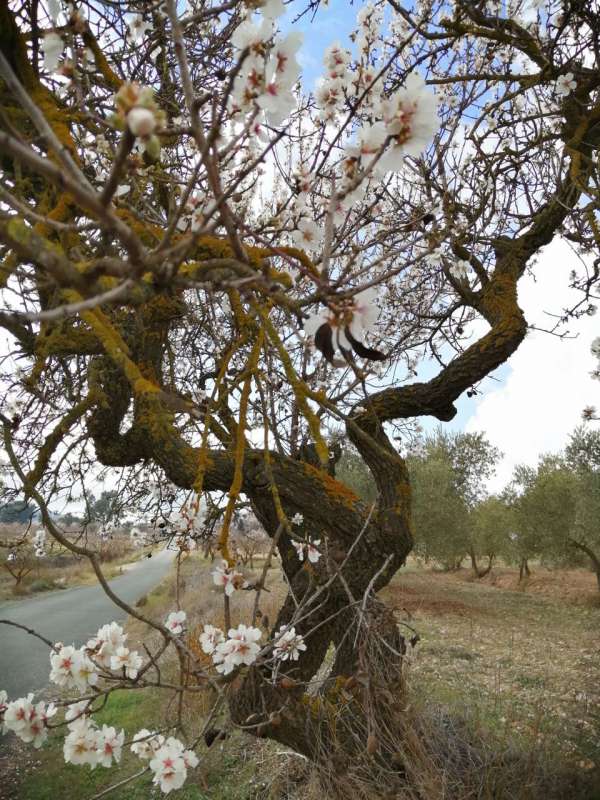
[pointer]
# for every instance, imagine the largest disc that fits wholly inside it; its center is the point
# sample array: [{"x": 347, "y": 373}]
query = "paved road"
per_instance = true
[{"x": 71, "y": 616}]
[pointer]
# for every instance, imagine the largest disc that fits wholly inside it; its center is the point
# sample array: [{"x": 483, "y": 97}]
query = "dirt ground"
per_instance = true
[{"x": 525, "y": 657}]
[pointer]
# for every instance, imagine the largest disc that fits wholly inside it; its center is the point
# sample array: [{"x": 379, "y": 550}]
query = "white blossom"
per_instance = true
[
  {"x": 460, "y": 270},
  {"x": 299, "y": 548},
  {"x": 288, "y": 644},
  {"x": 312, "y": 552},
  {"x": 81, "y": 743},
  {"x": 141, "y": 121},
  {"x": 109, "y": 745},
  {"x": 210, "y": 638},
  {"x": 52, "y": 48},
  {"x": 308, "y": 235},
  {"x": 138, "y": 27},
  {"x": 228, "y": 578},
  {"x": 356, "y": 317},
  {"x": 175, "y": 622},
  {"x": 170, "y": 764},
  {"x": 129, "y": 660},
  {"x": 239, "y": 648},
  {"x": 308, "y": 549},
  {"x": 249, "y": 35},
  {"x": 565, "y": 84},
  {"x": 54, "y": 9},
  {"x": 271, "y": 9},
  {"x": 146, "y": 743}
]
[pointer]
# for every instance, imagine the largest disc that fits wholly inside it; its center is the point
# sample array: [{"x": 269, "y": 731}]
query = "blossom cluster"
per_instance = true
[
  {"x": 28, "y": 720},
  {"x": 169, "y": 759},
  {"x": 268, "y": 72},
  {"x": 240, "y": 647},
  {"x": 86, "y": 743},
  {"x": 80, "y": 668}
]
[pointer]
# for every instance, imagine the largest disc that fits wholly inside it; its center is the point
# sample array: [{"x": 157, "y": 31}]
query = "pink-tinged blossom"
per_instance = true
[
  {"x": 336, "y": 60},
  {"x": 105, "y": 644},
  {"x": 109, "y": 746},
  {"x": 81, "y": 743},
  {"x": 18, "y": 713},
  {"x": 210, "y": 638},
  {"x": 240, "y": 648},
  {"x": 228, "y": 578},
  {"x": 329, "y": 98},
  {"x": 288, "y": 645},
  {"x": 170, "y": 764},
  {"x": 565, "y": 84},
  {"x": 175, "y": 622},
  {"x": 410, "y": 116},
  {"x": 72, "y": 668},
  {"x": 371, "y": 139},
  {"x": 252, "y": 36},
  {"x": 26, "y": 719}
]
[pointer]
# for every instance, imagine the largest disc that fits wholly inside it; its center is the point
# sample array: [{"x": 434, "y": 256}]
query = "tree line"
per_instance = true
[{"x": 548, "y": 512}]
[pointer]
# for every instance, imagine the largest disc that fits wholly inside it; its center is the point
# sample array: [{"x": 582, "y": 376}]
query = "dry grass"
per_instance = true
[{"x": 525, "y": 664}]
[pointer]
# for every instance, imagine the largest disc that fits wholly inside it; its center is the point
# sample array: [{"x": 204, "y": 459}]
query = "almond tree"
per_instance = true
[{"x": 209, "y": 274}]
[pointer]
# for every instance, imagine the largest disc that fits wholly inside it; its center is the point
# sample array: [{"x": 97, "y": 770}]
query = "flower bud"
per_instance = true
[{"x": 141, "y": 121}]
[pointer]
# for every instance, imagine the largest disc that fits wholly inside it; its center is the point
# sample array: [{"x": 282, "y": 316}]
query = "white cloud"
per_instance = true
[{"x": 540, "y": 401}]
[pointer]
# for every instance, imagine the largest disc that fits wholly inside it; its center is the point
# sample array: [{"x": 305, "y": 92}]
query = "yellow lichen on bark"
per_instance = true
[{"x": 240, "y": 448}]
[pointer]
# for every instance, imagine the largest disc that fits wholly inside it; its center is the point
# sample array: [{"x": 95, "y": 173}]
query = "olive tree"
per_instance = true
[
  {"x": 582, "y": 455},
  {"x": 209, "y": 274},
  {"x": 445, "y": 514}
]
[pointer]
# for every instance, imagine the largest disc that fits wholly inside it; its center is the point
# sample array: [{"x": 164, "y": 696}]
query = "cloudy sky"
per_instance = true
[{"x": 540, "y": 393}]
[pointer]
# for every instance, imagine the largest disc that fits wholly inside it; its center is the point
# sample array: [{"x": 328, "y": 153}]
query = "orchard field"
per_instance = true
[{"x": 512, "y": 665}]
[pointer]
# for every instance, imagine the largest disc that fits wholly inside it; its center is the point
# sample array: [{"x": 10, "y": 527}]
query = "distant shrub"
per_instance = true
[{"x": 44, "y": 585}]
